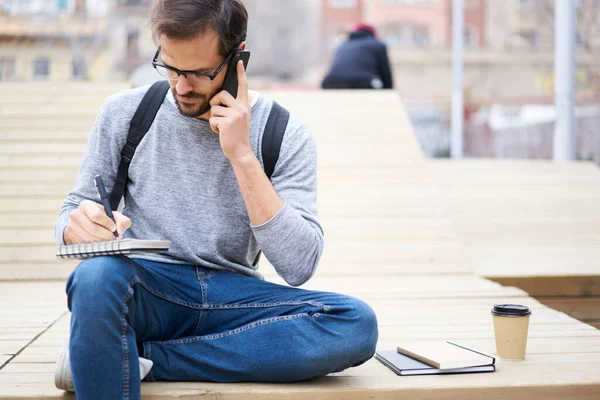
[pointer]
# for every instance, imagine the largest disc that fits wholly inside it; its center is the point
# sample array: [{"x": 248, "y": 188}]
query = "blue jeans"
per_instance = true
[{"x": 200, "y": 324}]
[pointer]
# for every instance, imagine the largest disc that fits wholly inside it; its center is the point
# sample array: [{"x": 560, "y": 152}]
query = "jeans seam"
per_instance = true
[
  {"x": 237, "y": 330},
  {"x": 124, "y": 325},
  {"x": 262, "y": 305},
  {"x": 202, "y": 314},
  {"x": 148, "y": 355}
]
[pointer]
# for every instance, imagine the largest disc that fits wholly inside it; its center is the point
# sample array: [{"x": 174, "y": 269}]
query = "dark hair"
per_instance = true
[{"x": 186, "y": 19}]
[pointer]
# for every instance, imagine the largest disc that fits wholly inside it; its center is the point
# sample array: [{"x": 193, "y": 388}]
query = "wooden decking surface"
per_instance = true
[
  {"x": 541, "y": 230},
  {"x": 390, "y": 240},
  {"x": 546, "y": 215}
]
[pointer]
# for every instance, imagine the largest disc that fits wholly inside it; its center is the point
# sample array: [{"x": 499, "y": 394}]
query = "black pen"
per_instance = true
[{"x": 104, "y": 199}]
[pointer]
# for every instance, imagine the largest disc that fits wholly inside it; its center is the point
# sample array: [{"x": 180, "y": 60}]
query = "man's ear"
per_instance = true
[{"x": 242, "y": 46}]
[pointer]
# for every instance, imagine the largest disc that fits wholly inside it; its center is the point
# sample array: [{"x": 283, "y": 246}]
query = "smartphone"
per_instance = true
[{"x": 230, "y": 83}]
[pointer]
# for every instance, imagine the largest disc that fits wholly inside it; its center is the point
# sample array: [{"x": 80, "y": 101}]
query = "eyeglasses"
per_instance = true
[{"x": 195, "y": 77}]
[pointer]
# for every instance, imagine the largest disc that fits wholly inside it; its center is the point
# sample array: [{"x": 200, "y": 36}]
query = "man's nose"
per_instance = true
[{"x": 183, "y": 85}]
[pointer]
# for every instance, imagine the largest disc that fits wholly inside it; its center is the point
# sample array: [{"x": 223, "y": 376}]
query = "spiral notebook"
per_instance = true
[{"x": 112, "y": 247}]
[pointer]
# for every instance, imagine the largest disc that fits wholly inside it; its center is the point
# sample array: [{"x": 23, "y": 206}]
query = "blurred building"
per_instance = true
[
  {"x": 283, "y": 37},
  {"x": 131, "y": 44},
  {"x": 110, "y": 39},
  {"x": 475, "y": 24},
  {"x": 489, "y": 24},
  {"x": 509, "y": 59},
  {"x": 411, "y": 24},
  {"x": 509, "y": 46},
  {"x": 73, "y": 39},
  {"x": 406, "y": 24},
  {"x": 338, "y": 18},
  {"x": 53, "y": 40}
]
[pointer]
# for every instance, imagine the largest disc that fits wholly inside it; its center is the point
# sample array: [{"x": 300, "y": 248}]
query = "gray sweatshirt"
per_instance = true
[{"x": 182, "y": 188}]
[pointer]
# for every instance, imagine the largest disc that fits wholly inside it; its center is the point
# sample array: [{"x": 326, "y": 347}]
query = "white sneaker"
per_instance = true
[{"x": 64, "y": 380}]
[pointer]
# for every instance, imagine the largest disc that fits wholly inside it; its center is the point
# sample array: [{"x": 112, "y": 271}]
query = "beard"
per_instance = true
[{"x": 193, "y": 110}]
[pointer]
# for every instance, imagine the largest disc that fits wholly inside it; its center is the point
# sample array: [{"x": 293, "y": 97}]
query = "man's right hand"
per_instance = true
[{"x": 89, "y": 223}]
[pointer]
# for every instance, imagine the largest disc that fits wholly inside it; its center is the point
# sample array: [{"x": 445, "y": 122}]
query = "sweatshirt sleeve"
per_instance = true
[
  {"x": 102, "y": 155},
  {"x": 385, "y": 71},
  {"x": 293, "y": 239}
]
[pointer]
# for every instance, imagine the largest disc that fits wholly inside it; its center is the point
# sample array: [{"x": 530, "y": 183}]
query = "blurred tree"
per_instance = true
[{"x": 588, "y": 20}]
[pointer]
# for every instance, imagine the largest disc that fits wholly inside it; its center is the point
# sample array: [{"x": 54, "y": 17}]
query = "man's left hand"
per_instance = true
[{"x": 232, "y": 123}]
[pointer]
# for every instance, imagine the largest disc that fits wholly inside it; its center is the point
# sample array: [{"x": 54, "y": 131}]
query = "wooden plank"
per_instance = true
[
  {"x": 47, "y": 125},
  {"x": 49, "y": 112},
  {"x": 14, "y": 333},
  {"x": 35, "y": 147},
  {"x": 11, "y": 346},
  {"x": 582, "y": 308},
  {"x": 40, "y": 135},
  {"x": 555, "y": 285},
  {"x": 523, "y": 260},
  {"x": 27, "y": 160},
  {"x": 48, "y": 174},
  {"x": 43, "y": 270},
  {"x": 38, "y": 203},
  {"x": 31, "y": 292},
  {"x": 35, "y": 221},
  {"x": 373, "y": 378},
  {"x": 328, "y": 388}
]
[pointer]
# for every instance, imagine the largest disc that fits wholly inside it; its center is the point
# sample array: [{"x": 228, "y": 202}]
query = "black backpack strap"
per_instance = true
[
  {"x": 273, "y": 136},
  {"x": 140, "y": 124},
  {"x": 271, "y": 143}
]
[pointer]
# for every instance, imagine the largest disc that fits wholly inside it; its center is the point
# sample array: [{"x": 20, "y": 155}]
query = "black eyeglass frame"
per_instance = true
[{"x": 179, "y": 72}]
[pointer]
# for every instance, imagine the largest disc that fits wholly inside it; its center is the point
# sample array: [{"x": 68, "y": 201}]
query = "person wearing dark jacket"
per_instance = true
[{"x": 361, "y": 62}]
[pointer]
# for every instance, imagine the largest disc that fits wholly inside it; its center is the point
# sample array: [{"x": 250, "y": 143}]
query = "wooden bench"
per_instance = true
[{"x": 389, "y": 241}]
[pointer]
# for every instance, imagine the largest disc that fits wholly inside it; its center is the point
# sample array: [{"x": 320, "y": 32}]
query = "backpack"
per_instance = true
[{"x": 144, "y": 117}]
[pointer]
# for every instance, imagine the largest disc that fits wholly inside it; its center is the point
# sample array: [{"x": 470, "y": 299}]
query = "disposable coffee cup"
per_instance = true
[{"x": 511, "y": 325}]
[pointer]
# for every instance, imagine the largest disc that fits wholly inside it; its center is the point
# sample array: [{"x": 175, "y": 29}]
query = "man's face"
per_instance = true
[{"x": 200, "y": 54}]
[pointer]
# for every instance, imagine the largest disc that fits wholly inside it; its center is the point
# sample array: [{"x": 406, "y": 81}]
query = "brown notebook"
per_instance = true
[{"x": 445, "y": 355}]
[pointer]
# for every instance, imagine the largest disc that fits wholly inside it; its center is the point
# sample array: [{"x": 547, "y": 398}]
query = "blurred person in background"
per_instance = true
[{"x": 361, "y": 62}]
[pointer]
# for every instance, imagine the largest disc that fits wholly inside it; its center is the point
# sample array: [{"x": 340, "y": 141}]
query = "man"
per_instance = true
[
  {"x": 361, "y": 62},
  {"x": 202, "y": 312}
]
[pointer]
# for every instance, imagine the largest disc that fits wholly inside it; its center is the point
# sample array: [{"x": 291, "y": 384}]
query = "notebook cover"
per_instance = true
[
  {"x": 403, "y": 365},
  {"x": 445, "y": 355}
]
